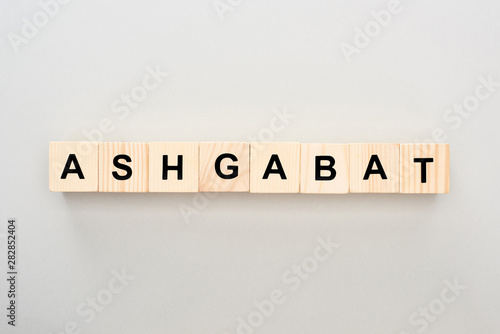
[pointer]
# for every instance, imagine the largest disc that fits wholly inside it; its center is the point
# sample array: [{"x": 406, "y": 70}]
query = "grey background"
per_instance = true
[{"x": 226, "y": 79}]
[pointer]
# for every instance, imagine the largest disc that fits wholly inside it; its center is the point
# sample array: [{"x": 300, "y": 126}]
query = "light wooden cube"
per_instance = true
[
  {"x": 425, "y": 176},
  {"x": 265, "y": 156},
  {"x": 162, "y": 179},
  {"x": 317, "y": 180},
  {"x": 73, "y": 166},
  {"x": 231, "y": 161},
  {"x": 367, "y": 156},
  {"x": 123, "y": 167}
]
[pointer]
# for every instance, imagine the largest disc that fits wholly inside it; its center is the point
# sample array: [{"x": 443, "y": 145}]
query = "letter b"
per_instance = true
[{"x": 318, "y": 168}]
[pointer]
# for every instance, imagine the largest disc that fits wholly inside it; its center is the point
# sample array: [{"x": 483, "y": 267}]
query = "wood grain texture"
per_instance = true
[
  {"x": 289, "y": 156},
  {"x": 210, "y": 181},
  {"x": 138, "y": 182},
  {"x": 308, "y": 182},
  {"x": 360, "y": 155},
  {"x": 437, "y": 172},
  {"x": 190, "y": 161},
  {"x": 87, "y": 156}
]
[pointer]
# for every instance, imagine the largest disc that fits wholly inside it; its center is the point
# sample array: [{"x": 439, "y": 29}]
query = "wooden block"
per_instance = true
[
  {"x": 225, "y": 167},
  {"x": 374, "y": 168},
  {"x": 73, "y": 166},
  {"x": 324, "y": 168},
  {"x": 274, "y": 167},
  {"x": 123, "y": 167},
  {"x": 425, "y": 168},
  {"x": 173, "y": 167}
]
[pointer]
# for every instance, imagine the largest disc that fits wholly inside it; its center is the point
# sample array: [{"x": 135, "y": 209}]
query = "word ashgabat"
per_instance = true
[{"x": 324, "y": 168}]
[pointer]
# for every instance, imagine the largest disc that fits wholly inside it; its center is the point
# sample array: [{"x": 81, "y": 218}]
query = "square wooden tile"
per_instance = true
[
  {"x": 224, "y": 167},
  {"x": 281, "y": 160},
  {"x": 123, "y": 167},
  {"x": 324, "y": 168},
  {"x": 374, "y": 168},
  {"x": 73, "y": 166},
  {"x": 425, "y": 168},
  {"x": 165, "y": 174}
]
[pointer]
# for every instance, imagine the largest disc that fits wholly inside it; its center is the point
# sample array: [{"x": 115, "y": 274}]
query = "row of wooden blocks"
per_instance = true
[{"x": 249, "y": 167}]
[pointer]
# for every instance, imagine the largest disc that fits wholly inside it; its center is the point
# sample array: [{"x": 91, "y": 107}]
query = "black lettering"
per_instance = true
[
  {"x": 319, "y": 167},
  {"x": 423, "y": 167},
  {"x": 166, "y": 167},
  {"x": 234, "y": 169},
  {"x": 370, "y": 171},
  {"x": 278, "y": 170},
  {"x": 119, "y": 165},
  {"x": 67, "y": 168}
]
